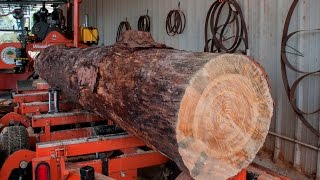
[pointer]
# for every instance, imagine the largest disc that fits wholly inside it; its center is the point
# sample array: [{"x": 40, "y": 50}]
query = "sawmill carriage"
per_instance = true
[{"x": 33, "y": 27}]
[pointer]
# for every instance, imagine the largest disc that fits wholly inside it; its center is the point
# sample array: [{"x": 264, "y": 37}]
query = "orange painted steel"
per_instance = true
[
  {"x": 49, "y": 120},
  {"x": 53, "y": 164},
  {"x": 59, "y": 169},
  {"x": 126, "y": 164},
  {"x": 242, "y": 175},
  {"x": 74, "y": 170},
  {"x": 8, "y": 80},
  {"x": 32, "y": 97},
  {"x": 13, "y": 161},
  {"x": 135, "y": 161},
  {"x": 74, "y": 174},
  {"x": 96, "y": 164},
  {"x": 5, "y": 120},
  {"x": 41, "y": 107},
  {"x": 125, "y": 175},
  {"x": 63, "y": 119},
  {"x": 90, "y": 146},
  {"x": 66, "y": 134},
  {"x": 53, "y": 38},
  {"x": 76, "y": 27}
]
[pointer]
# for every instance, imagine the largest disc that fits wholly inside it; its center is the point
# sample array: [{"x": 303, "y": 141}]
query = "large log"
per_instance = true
[{"x": 210, "y": 113}]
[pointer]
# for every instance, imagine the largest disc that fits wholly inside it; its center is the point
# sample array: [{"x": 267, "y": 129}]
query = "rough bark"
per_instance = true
[{"x": 210, "y": 113}]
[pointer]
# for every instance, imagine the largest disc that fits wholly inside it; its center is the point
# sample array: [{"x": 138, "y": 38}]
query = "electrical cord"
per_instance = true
[
  {"x": 123, "y": 26},
  {"x": 215, "y": 40},
  {"x": 175, "y": 22},
  {"x": 144, "y": 23}
]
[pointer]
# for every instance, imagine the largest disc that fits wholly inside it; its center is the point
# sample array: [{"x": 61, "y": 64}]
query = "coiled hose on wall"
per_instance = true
[
  {"x": 215, "y": 30},
  {"x": 175, "y": 22},
  {"x": 123, "y": 26},
  {"x": 144, "y": 23}
]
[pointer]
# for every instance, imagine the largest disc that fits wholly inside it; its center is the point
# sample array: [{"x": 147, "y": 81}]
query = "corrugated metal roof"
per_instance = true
[{"x": 265, "y": 21}]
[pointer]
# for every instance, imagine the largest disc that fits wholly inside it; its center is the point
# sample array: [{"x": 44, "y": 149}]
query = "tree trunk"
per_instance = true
[{"x": 210, "y": 113}]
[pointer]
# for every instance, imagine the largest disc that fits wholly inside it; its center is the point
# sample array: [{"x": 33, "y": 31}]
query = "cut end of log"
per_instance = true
[{"x": 224, "y": 117}]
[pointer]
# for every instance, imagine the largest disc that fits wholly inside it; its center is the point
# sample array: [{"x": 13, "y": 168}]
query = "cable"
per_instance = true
[
  {"x": 175, "y": 22},
  {"x": 218, "y": 42},
  {"x": 123, "y": 25},
  {"x": 285, "y": 63},
  {"x": 144, "y": 23}
]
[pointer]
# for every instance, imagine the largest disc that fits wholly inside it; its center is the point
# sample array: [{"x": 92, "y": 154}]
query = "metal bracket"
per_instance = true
[{"x": 59, "y": 153}]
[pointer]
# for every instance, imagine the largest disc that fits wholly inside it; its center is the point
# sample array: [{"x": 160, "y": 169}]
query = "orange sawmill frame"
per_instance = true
[
  {"x": 58, "y": 165},
  {"x": 8, "y": 80},
  {"x": 30, "y": 105},
  {"x": 57, "y": 153},
  {"x": 54, "y": 147}
]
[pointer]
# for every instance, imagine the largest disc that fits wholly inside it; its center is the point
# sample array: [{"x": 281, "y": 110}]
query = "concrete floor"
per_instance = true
[{"x": 264, "y": 159}]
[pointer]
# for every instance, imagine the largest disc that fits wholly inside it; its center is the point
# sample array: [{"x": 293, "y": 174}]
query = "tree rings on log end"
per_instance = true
[{"x": 224, "y": 117}]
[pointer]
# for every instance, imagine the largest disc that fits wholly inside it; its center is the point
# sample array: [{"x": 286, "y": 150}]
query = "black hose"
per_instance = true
[
  {"x": 175, "y": 22},
  {"x": 144, "y": 23},
  {"x": 123, "y": 26},
  {"x": 217, "y": 30}
]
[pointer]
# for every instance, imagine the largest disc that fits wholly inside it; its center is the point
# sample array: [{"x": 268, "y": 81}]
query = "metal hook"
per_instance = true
[
  {"x": 179, "y": 4},
  {"x": 147, "y": 11},
  {"x": 126, "y": 18}
]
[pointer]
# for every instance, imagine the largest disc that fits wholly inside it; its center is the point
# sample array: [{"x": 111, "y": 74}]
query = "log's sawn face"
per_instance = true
[
  {"x": 224, "y": 117},
  {"x": 209, "y": 113}
]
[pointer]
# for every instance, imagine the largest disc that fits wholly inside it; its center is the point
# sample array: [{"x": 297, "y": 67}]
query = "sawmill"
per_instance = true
[{"x": 159, "y": 90}]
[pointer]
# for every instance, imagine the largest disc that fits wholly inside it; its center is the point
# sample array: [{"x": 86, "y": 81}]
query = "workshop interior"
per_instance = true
[{"x": 159, "y": 90}]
